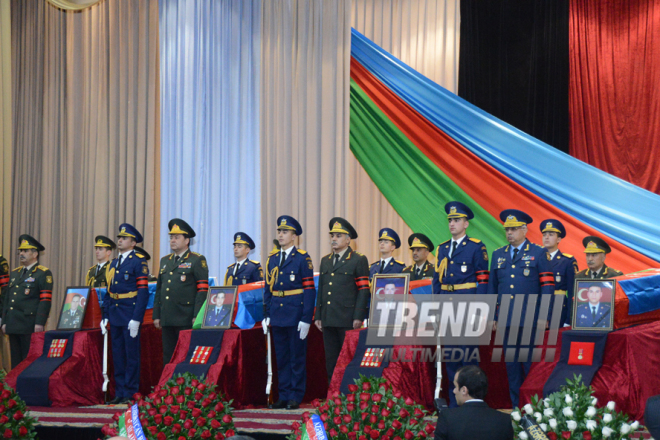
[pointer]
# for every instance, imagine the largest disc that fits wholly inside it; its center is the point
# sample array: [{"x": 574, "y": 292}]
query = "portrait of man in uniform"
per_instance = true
[
  {"x": 594, "y": 305},
  {"x": 383, "y": 288},
  {"x": 219, "y": 307},
  {"x": 73, "y": 309}
]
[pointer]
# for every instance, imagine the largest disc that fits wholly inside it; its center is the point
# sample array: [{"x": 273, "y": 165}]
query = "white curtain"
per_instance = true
[{"x": 210, "y": 163}]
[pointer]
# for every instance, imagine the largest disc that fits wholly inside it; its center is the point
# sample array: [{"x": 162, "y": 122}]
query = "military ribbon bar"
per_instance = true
[
  {"x": 57, "y": 347},
  {"x": 201, "y": 355}
]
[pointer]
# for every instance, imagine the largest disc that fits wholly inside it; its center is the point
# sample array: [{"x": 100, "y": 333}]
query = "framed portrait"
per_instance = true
[
  {"x": 219, "y": 309},
  {"x": 593, "y": 305},
  {"x": 73, "y": 308},
  {"x": 387, "y": 290}
]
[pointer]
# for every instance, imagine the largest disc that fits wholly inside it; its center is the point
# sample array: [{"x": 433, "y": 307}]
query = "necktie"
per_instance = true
[
  {"x": 593, "y": 275},
  {"x": 121, "y": 258},
  {"x": 282, "y": 258},
  {"x": 593, "y": 313},
  {"x": 382, "y": 266},
  {"x": 453, "y": 248},
  {"x": 24, "y": 272},
  {"x": 419, "y": 271},
  {"x": 98, "y": 267},
  {"x": 336, "y": 259},
  {"x": 236, "y": 267},
  {"x": 515, "y": 252},
  {"x": 176, "y": 258}
]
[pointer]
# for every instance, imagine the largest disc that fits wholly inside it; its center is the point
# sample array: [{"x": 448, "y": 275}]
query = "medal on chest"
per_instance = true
[
  {"x": 526, "y": 272},
  {"x": 558, "y": 278},
  {"x": 464, "y": 268},
  {"x": 244, "y": 281},
  {"x": 183, "y": 278},
  {"x": 27, "y": 291},
  {"x": 126, "y": 276},
  {"x": 292, "y": 277}
]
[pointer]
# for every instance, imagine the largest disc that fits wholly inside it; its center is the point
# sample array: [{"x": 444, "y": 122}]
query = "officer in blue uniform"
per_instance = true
[
  {"x": 564, "y": 266},
  {"x": 388, "y": 242},
  {"x": 593, "y": 314},
  {"x": 243, "y": 271},
  {"x": 124, "y": 307},
  {"x": 289, "y": 296},
  {"x": 461, "y": 268},
  {"x": 520, "y": 268}
]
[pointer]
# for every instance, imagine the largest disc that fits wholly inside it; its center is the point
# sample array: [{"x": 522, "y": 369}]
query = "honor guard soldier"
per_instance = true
[
  {"x": 343, "y": 296},
  {"x": 243, "y": 271},
  {"x": 596, "y": 248},
  {"x": 461, "y": 268},
  {"x": 520, "y": 268},
  {"x": 289, "y": 296},
  {"x": 564, "y": 266},
  {"x": 124, "y": 307},
  {"x": 421, "y": 246},
  {"x": 97, "y": 274},
  {"x": 388, "y": 242},
  {"x": 27, "y": 299},
  {"x": 147, "y": 257},
  {"x": 183, "y": 281}
]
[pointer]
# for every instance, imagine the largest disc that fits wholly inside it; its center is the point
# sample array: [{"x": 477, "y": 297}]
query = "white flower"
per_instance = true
[
  {"x": 607, "y": 418},
  {"x": 625, "y": 428},
  {"x": 568, "y": 399},
  {"x": 572, "y": 425},
  {"x": 591, "y": 411},
  {"x": 544, "y": 427},
  {"x": 553, "y": 423},
  {"x": 611, "y": 405},
  {"x": 523, "y": 435},
  {"x": 548, "y": 412},
  {"x": 634, "y": 425},
  {"x": 607, "y": 431},
  {"x": 567, "y": 412},
  {"x": 594, "y": 401},
  {"x": 516, "y": 416},
  {"x": 546, "y": 402},
  {"x": 538, "y": 416},
  {"x": 591, "y": 425},
  {"x": 528, "y": 409}
]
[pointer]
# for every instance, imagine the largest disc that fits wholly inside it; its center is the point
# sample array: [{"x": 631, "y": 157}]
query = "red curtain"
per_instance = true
[{"x": 614, "y": 97}]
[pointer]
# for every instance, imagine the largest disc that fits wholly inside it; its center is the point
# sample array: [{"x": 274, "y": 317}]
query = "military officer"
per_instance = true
[
  {"x": 596, "y": 248},
  {"x": 564, "y": 266},
  {"x": 243, "y": 271},
  {"x": 71, "y": 318},
  {"x": 27, "y": 299},
  {"x": 341, "y": 302},
  {"x": 124, "y": 307},
  {"x": 289, "y": 295},
  {"x": 421, "y": 246},
  {"x": 97, "y": 274},
  {"x": 461, "y": 268},
  {"x": 388, "y": 242},
  {"x": 183, "y": 281},
  {"x": 521, "y": 268}
]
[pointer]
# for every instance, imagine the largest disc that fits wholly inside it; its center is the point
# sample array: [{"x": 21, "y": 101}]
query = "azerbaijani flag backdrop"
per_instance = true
[{"x": 423, "y": 146}]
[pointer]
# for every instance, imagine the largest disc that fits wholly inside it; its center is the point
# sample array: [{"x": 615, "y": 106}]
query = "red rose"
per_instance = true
[
  {"x": 168, "y": 420},
  {"x": 201, "y": 422},
  {"x": 230, "y": 432},
  {"x": 362, "y": 438},
  {"x": 364, "y": 416},
  {"x": 215, "y": 424},
  {"x": 337, "y": 420},
  {"x": 219, "y": 406},
  {"x": 374, "y": 434},
  {"x": 377, "y": 397},
  {"x": 364, "y": 397},
  {"x": 421, "y": 434},
  {"x": 22, "y": 431},
  {"x": 162, "y": 409},
  {"x": 152, "y": 411},
  {"x": 205, "y": 403},
  {"x": 183, "y": 415},
  {"x": 158, "y": 401},
  {"x": 390, "y": 432},
  {"x": 316, "y": 403},
  {"x": 175, "y": 390},
  {"x": 196, "y": 412},
  {"x": 397, "y": 438},
  {"x": 390, "y": 403},
  {"x": 187, "y": 391},
  {"x": 337, "y": 401},
  {"x": 194, "y": 382},
  {"x": 396, "y": 424},
  {"x": 397, "y": 394},
  {"x": 429, "y": 428},
  {"x": 356, "y": 426},
  {"x": 343, "y": 429},
  {"x": 188, "y": 424},
  {"x": 211, "y": 415},
  {"x": 350, "y": 407},
  {"x": 352, "y": 388},
  {"x": 176, "y": 428},
  {"x": 8, "y": 433},
  {"x": 180, "y": 380},
  {"x": 373, "y": 419},
  {"x": 192, "y": 432},
  {"x": 566, "y": 434},
  {"x": 335, "y": 394},
  {"x": 337, "y": 411},
  {"x": 408, "y": 435},
  {"x": 174, "y": 409},
  {"x": 169, "y": 400},
  {"x": 212, "y": 396},
  {"x": 552, "y": 436},
  {"x": 419, "y": 413},
  {"x": 219, "y": 436},
  {"x": 161, "y": 436},
  {"x": 351, "y": 397},
  {"x": 5, "y": 394},
  {"x": 347, "y": 418},
  {"x": 352, "y": 435},
  {"x": 180, "y": 399},
  {"x": 333, "y": 432},
  {"x": 162, "y": 393},
  {"x": 366, "y": 386},
  {"x": 11, "y": 403},
  {"x": 137, "y": 396},
  {"x": 18, "y": 415},
  {"x": 227, "y": 419},
  {"x": 198, "y": 396},
  {"x": 201, "y": 387},
  {"x": 305, "y": 416},
  {"x": 367, "y": 429},
  {"x": 152, "y": 429},
  {"x": 403, "y": 413},
  {"x": 381, "y": 424},
  {"x": 409, "y": 401},
  {"x": 158, "y": 419},
  {"x": 384, "y": 413},
  {"x": 190, "y": 404},
  {"x": 181, "y": 438},
  {"x": 206, "y": 434},
  {"x": 4, "y": 419},
  {"x": 413, "y": 422},
  {"x": 586, "y": 435}
]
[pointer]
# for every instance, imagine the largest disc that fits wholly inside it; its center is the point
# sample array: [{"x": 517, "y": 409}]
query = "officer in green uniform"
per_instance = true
[
  {"x": 421, "y": 247},
  {"x": 596, "y": 248},
  {"x": 27, "y": 299},
  {"x": 97, "y": 274},
  {"x": 183, "y": 281}
]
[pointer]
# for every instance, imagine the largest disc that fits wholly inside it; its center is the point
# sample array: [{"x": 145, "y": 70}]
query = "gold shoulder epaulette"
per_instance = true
[
  {"x": 375, "y": 262},
  {"x": 255, "y": 262},
  {"x": 567, "y": 255},
  {"x": 476, "y": 240},
  {"x": 91, "y": 268},
  {"x": 273, "y": 253},
  {"x": 400, "y": 262},
  {"x": 300, "y": 251},
  {"x": 231, "y": 265},
  {"x": 18, "y": 268},
  {"x": 139, "y": 255},
  {"x": 358, "y": 253},
  {"x": 444, "y": 242},
  {"x": 196, "y": 254},
  {"x": 44, "y": 268},
  {"x": 329, "y": 256}
]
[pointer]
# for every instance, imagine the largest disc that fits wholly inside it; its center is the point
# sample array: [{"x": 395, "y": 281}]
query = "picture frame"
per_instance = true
[
  {"x": 223, "y": 317},
  {"x": 74, "y": 307},
  {"x": 383, "y": 285},
  {"x": 598, "y": 295}
]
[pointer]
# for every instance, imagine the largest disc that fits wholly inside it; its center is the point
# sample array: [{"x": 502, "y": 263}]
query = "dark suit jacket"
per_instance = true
[{"x": 474, "y": 421}]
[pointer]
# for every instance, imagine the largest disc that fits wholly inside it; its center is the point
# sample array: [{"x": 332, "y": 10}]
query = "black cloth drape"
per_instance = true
[{"x": 514, "y": 64}]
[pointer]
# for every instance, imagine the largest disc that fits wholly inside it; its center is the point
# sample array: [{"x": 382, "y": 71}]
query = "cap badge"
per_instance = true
[
  {"x": 511, "y": 218},
  {"x": 238, "y": 237},
  {"x": 25, "y": 243},
  {"x": 99, "y": 241},
  {"x": 417, "y": 241},
  {"x": 283, "y": 222},
  {"x": 592, "y": 245},
  {"x": 337, "y": 225},
  {"x": 384, "y": 233},
  {"x": 452, "y": 210},
  {"x": 123, "y": 230},
  {"x": 548, "y": 225}
]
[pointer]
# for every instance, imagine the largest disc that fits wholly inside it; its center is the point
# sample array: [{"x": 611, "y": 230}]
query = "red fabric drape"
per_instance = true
[{"x": 614, "y": 100}]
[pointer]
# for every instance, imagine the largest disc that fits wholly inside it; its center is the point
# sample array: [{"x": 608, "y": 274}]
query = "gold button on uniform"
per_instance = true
[
  {"x": 513, "y": 276},
  {"x": 332, "y": 274},
  {"x": 329, "y": 293},
  {"x": 167, "y": 297},
  {"x": 328, "y": 302},
  {"x": 169, "y": 281},
  {"x": 169, "y": 288},
  {"x": 513, "y": 265},
  {"x": 330, "y": 283},
  {"x": 512, "y": 286},
  {"x": 170, "y": 273}
]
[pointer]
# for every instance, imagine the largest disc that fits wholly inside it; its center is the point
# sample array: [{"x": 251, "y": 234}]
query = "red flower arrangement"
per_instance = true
[
  {"x": 371, "y": 410},
  {"x": 14, "y": 423},
  {"x": 185, "y": 408}
]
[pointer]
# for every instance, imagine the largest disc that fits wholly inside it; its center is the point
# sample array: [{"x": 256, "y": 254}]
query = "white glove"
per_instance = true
[
  {"x": 303, "y": 328},
  {"x": 104, "y": 329},
  {"x": 264, "y": 324},
  {"x": 133, "y": 326}
]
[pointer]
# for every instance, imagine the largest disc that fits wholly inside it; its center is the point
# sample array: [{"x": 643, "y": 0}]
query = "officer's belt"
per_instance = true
[
  {"x": 123, "y": 295},
  {"x": 561, "y": 292},
  {"x": 452, "y": 287},
  {"x": 281, "y": 293}
]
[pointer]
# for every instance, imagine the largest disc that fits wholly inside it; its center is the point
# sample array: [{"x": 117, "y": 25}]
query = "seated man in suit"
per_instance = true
[
  {"x": 594, "y": 313},
  {"x": 470, "y": 388},
  {"x": 220, "y": 314}
]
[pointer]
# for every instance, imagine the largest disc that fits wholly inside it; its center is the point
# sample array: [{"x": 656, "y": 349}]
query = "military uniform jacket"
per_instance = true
[
  {"x": 181, "y": 288},
  {"x": 584, "y": 317},
  {"x": 249, "y": 272},
  {"x": 4, "y": 278},
  {"x": 130, "y": 279},
  {"x": 564, "y": 267},
  {"x": 605, "y": 272},
  {"x": 222, "y": 318},
  {"x": 27, "y": 299},
  {"x": 343, "y": 294},
  {"x": 394, "y": 266},
  {"x": 468, "y": 265},
  {"x": 71, "y": 320},
  {"x": 428, "y": 270},
  {"x": 296, "y": 274},
  {"x": 100, "y": 279},
  {"x": 529, "y": 273}
]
